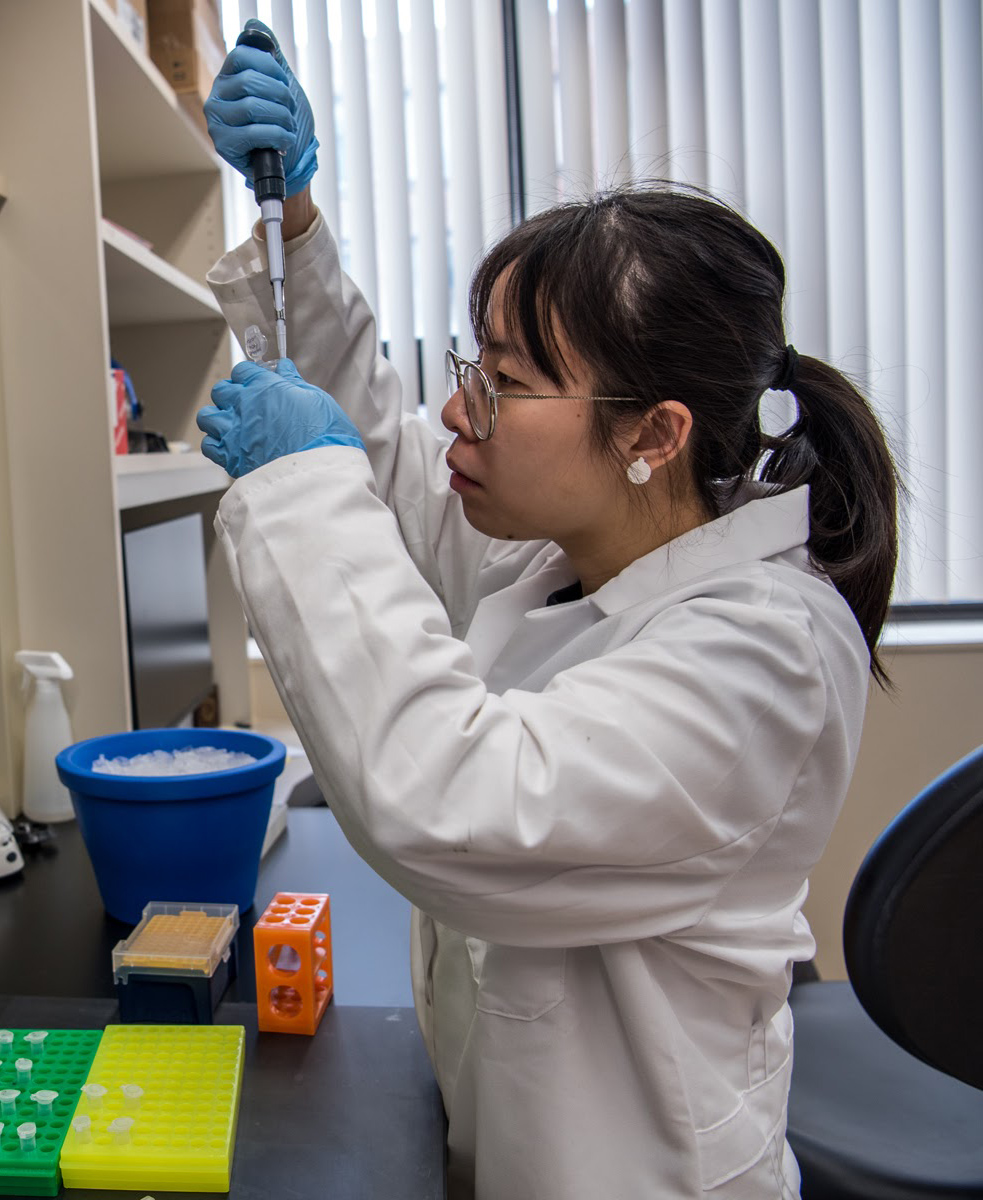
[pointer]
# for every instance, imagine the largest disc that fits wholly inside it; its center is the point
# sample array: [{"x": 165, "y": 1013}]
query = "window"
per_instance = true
[{"x": 850, "y": 132}]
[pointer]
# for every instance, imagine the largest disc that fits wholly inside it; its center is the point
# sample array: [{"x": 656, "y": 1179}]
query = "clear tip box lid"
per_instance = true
[{"x": 177, "y": 939}]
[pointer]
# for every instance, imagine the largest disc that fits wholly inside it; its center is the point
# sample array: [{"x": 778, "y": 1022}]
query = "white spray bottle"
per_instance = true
[{"x": 47, "y": 731}]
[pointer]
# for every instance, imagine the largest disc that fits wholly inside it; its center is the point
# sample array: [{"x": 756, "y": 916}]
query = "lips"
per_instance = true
[{"x": 457, "y": 471}]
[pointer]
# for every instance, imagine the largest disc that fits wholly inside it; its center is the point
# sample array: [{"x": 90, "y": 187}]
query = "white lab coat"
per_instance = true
[{"x": 604, "y": 811}]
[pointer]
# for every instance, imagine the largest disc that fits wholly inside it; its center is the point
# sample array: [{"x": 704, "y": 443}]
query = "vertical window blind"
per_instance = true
[
  {"x": 849, "y": 131},
  {"x": 410, "y": 110}
]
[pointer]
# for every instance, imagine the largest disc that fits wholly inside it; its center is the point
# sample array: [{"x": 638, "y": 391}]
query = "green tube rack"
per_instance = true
[{"x": 62, "y": 1066}]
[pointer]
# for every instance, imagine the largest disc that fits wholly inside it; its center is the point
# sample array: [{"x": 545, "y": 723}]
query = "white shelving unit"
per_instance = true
[
  {"x": 144, "y": 289},
  {"x": 143, "y": 479},
  {"x": 143, "y": 130},
  {"x": 101, "y": 149}
]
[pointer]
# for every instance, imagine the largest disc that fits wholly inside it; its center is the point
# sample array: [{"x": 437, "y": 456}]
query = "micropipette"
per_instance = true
[{"x": 270, "y": 188}]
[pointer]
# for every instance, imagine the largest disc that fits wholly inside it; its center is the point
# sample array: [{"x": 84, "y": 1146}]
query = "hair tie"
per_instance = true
[{"x": 790, "y": 361}]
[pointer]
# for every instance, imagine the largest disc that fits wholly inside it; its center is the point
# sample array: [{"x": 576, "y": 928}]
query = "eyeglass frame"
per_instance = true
[{"x": 454, "y": 360}]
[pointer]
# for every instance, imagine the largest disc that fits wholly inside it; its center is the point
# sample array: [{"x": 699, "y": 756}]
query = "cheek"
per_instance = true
[
  {"x": 542, "y": 456},
  {"x": 567, "y": 462}
]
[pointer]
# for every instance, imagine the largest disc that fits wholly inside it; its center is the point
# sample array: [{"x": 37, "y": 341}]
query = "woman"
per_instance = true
[{"x": 581, "y": 686}]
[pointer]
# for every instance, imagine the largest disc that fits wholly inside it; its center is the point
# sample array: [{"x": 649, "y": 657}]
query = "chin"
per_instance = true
[{"x": 501, "y": 528}]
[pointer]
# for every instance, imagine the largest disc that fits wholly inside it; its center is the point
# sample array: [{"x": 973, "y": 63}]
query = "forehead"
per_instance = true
[{"x": 504, "y": 336}]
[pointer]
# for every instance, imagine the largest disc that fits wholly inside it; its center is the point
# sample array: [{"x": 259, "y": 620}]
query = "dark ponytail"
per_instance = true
[
  {"x": 668, "y": 294},
  {"x": 837, "y": 447}
]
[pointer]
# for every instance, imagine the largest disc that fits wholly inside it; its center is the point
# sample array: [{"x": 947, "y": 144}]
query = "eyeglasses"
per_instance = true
[{"x": 481, "y": 397}]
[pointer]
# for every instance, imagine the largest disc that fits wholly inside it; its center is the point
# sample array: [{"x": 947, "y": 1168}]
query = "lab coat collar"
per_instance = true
[{"x": 759, "y": 526}]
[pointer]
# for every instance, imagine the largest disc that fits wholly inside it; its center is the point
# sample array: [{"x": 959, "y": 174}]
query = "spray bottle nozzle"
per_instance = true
[{"x": 43, "y": 664}]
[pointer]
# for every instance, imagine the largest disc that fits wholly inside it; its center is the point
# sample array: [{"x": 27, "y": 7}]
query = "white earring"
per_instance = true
[{"x": 639, "y": 471}]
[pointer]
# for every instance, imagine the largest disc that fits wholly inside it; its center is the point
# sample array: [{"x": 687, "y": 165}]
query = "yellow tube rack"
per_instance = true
[{"x": 183, "y": 1129}]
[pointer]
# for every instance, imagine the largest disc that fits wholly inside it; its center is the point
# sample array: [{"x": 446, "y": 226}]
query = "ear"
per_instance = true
[{"x": 661, "y": 434}]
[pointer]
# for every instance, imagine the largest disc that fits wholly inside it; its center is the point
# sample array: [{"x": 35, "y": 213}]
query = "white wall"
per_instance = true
[{"x": 909, "y": 739}]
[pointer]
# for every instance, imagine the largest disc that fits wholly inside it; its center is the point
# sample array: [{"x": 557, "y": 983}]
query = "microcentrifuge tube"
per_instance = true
[
  {"x": 94, "y": 1093},
  {"x": 26, "y": 1134},
  {"x": 256, "y": 344},
  {"x": 8, "y": 1101},
  {"x": 44, "y": 1100},
  {"x": 132, "y": 1095},
  {"x": 36, "y": 1041},
  {"x": 24, "y": 1067},
  {"x": 120, "y": 1129},
  {"x": 83, "y": 1129},
  {"x": 6, "y": 1037}
]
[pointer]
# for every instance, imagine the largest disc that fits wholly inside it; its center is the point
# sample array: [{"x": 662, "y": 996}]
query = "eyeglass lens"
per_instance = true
[
  {"x": 476, "y": 397},
  {"x": 478, "y": 401}
]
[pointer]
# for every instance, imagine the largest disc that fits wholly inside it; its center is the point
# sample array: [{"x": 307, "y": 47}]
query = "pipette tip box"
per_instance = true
[
  {"x": 176, "y": 964},
  {"x": 179, "y": 1135},
  {"x": 60, "y": 1064}
]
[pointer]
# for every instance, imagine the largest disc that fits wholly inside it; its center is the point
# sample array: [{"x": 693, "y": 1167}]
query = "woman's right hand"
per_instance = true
[{"x": 256, "y": 102}]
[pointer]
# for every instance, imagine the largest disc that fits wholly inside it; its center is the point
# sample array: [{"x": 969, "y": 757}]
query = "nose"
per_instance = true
[{"x": 454, "y": 416}]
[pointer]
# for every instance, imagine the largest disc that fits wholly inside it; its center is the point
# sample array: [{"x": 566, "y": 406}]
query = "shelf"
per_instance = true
[
  {"x": 933, "y": 635},
  {"x": 143, "y": 131},
  {"x": 154, "y": 478},
  {"x": 145, "y": 290}
]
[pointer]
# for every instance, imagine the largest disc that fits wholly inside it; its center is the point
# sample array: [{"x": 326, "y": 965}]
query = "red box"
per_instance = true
[{"x": 117, "y": 411}]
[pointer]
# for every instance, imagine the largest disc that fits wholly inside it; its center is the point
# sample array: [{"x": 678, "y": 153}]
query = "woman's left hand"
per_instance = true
[{"x": 259, "y": 415}]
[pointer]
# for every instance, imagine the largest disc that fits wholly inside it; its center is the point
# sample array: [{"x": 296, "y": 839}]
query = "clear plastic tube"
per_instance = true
[
  {"x": 120, "y": 1129},
  {"x": 94, "y": 1093},
  {"x": 35, "y": 1040},
  {"x": 256, "y": 344},
  {"x": 44, "y": 1100}
]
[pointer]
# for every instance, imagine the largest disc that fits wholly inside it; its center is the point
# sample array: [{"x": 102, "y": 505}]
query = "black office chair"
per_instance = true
[{"x": 885, "y": 1101}]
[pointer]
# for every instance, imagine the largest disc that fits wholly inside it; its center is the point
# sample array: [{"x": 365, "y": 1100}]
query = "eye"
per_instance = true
[{"x": 504, "y": 382}]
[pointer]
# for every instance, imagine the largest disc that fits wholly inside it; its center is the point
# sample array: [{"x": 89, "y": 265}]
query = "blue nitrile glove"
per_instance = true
[
  {"x": 256, "y": 102},
  {"x": 260, "y": 415}
]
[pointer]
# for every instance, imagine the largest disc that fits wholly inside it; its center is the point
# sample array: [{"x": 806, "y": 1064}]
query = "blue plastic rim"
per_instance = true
[{"x": 194, "y": 838}]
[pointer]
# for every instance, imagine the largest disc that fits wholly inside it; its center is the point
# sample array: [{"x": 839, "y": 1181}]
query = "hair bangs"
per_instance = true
[{"x": 538, "y": 281}]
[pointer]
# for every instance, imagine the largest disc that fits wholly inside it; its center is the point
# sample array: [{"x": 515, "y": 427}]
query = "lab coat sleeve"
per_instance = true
[
  {"x": 333, "y": 342},
  {"x": 613, "y": 805}
]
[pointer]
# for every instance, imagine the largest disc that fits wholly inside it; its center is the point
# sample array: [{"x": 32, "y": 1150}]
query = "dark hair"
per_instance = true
[{"x": 668, "y": 294}]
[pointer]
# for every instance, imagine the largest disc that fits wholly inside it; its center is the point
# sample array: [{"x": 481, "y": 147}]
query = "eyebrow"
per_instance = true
[{"x": 504, "y": 350}]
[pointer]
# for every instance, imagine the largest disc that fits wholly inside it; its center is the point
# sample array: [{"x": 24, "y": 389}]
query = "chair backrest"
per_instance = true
[{"x": 913, "y": 925}]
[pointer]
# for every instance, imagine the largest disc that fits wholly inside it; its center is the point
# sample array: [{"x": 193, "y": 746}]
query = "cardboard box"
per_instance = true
[
  {"x": 192, "y": 103},
  {"x": 132, "y": 16},
  {"x": 186, "y": 43}
]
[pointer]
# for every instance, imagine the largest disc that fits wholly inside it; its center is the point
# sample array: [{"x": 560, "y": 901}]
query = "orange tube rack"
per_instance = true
[{"x": 294, "y": 980}]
